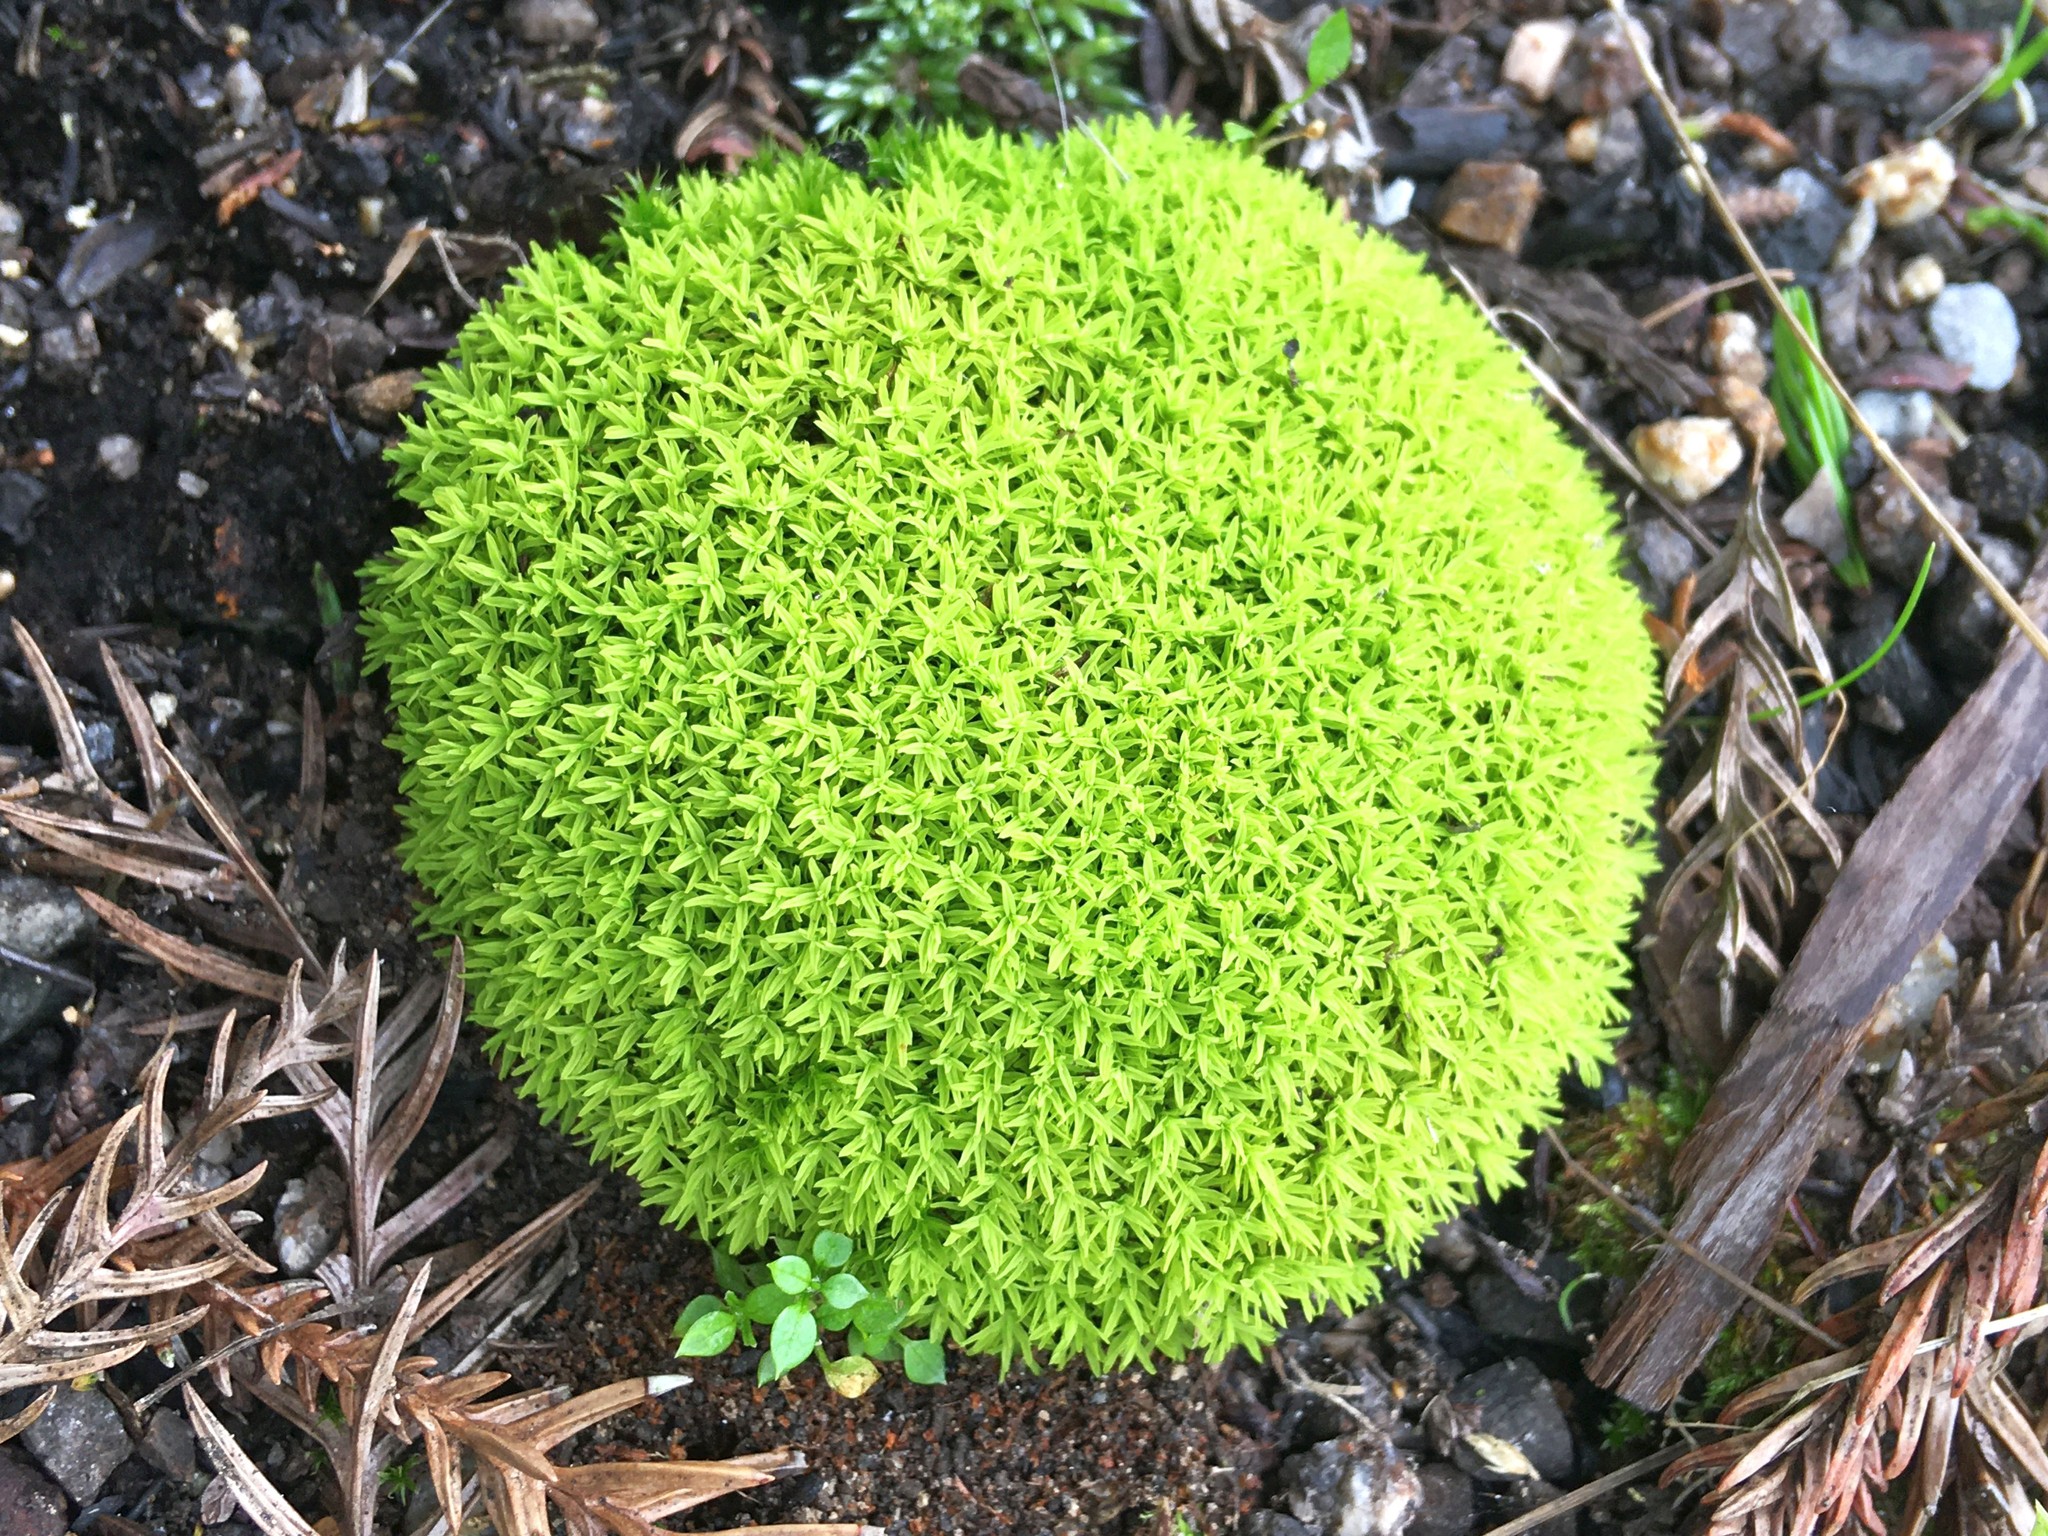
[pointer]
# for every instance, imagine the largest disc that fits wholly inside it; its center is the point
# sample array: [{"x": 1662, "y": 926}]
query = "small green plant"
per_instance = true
[
  {"x": 401, "y": 1479},
  {"x": 2030, "y": 226},
  {"x": 908, "y": 69},
  {"x": 798, "y": 1300},
  {"x": 1815, "y": 426},
  {"x": 1624, "y": 1427},
  {"x": 1329, "y": 55},
  {"x": 2019, "y": 56}
]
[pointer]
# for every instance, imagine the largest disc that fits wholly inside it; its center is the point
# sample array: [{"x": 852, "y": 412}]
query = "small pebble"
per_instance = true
[
  {"x": 1920, "y": 281},
  {"x": 11, "y": 225},
  {"x": 1897, "y": 415},
  {"x": 1535, "y": 55},
  {"x": 1754, "y": 415},
  {"x": 1906, "y": 186},
  {"x": 1490, "y": 202},
  {"x": 370, "y": 216},
  {"x": 1964, "y": 626},
  {"x": 552, "y": 23},
  {"x": 1891, "y": 526},
  {"x": 1600, "y": 73},
  {"x": 246, "y": 101},
  {"x": 1731, "y": 347},
  {"x": 120, "y": 456},
  {"x": 1974, "y": 324},
  {"x": 2002, "y": 477},
  {"x": 382, "y": 397},
  {"x": 1879, "y": 67},
  {"x": 1582, "y": 140},
  {"x": 6, "y": 584},
  {"x": 191, "y": 485},
  {"x": 1665, "y": 554},
  {"x": 1688, "y": 456},
  {"x": 1813, "y": 518}
]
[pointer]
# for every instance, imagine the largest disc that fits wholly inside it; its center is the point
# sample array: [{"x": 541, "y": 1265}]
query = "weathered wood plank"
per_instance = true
[{"x": 1757, "y": 1137}]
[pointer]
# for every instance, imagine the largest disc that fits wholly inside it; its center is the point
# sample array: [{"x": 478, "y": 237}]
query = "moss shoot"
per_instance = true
[{"x": 1052, "y": 709}]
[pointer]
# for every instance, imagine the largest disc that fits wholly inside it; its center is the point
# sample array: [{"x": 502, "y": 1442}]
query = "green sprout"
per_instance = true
[
  {"x": 2031, "y": 226},
  {"x": 401, "y": 1479},
  {"x": 341, "y": 671},
  {"x": 1081, "y": 729},
  {"x": 1329, "y": 55},
  {"x": 1816, "y": 428},
  {"x": 2018, "y": 59},
  {"x": 797, "y": 1301}
]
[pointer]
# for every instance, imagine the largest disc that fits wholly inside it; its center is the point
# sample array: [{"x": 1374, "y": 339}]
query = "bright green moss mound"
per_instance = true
[{"x": 1080, "y": 730}]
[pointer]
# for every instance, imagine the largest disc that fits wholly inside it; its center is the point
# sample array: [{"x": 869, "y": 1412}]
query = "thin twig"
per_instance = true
[
  {"x": 1986, "y": 578},
  {"x": 1679, "y": 306},
  {"x": 1578, "y": 1498},
  {"x": 44, "y": 969},
  {"x": 1664, "y": 1234}
]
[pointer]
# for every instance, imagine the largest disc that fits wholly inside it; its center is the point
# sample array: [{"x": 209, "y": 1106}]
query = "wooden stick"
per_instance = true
[{"x": 1756, "y": 1139}]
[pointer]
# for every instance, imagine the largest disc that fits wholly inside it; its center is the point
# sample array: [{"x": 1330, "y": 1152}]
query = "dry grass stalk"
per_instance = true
[{"x": 1754, "y": 766}]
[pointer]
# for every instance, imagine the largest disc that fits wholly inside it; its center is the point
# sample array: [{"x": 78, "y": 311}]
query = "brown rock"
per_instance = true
[
  {"x": 1490, "y": 202},
  {"x": 1753, "y": 414},
  {"x": 381, "y": 399}
]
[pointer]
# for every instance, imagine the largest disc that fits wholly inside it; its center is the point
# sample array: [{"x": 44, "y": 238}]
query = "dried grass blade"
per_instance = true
[
  {"x": 71, "y": 748},
  {"x": 2019, "y": 1270},
  {"x": 1980, "y": 1291},
  {"x": 447, "y": 1192},
  {"x": 359, "y": 1486},
  {"x": 1867, "y": 1260},
  {"x": 514, "y": 1249},
  {"x": 16, "y": 1423},
  {"x": 187, "y": 959},
  {"x": 411, "y": 1114},
  {"x": 252, "y": 872},
  {"x": 253, "y": 1491},
  {"x": 1930, "y": 1245},
  {"x": 1993, "y": 1400},
  {"x": 1895, "y": 1352},
  {"x": 550, "y": 1426},
  {"x": 1785, "y": 1384},
  {"x": 150, "y": 750},
  {"x": 1778, "y": 1439}
]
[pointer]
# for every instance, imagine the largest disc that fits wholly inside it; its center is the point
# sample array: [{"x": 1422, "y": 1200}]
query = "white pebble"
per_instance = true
[
  {"x": 1973, "y": 324},
  {"x": 1920, "y": 281},
  {"x": 1731, "y": 347},
  {"x": 1897, "y": 415},
  {"x": 245, "y": 94},
  {"x": 1908, "y": 185},
  {"x": 1688, "y": 456},
  {"x": 120, "y": 456},
  {"x": 192, "y": 485},
  {"x": 1535, "y": 55}
]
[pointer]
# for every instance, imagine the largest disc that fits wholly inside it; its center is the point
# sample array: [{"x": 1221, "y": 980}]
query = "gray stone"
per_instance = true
[
  {"x": 1749, "y": 36},
  {"x": 1349, "y": 1488},
  {"x": 66, "y": 351},
  {"x": 1965, "y": 627},
  {"x": 79, "y": 1441},
  {"x": 11, "y": 225},
  {"x": 1515, "y": 1403},
  {"x": 1897, "y": 415},
  {"x": 1503, "y": 1310},
  {"x": 167, "y": 1445},
  {"x": 1806, "y": 240},
  {"x": 2002, "y": 477},
  {"x": 20, "y": 495},
  {"x": 1665, "y": 554},
  {"x": 244, "y": 89},
  {"x": 309, "y": 1218},
  {"x": 30, "y": 1504},
  {"x": 1446, "y": 1508},
  {"x": 552, "y": 23},
  {"x": 1876, "y": 69},
  {"x": 40, "y": 919},
  {"x": 1973, "y": 325},
  {"x": 1813, "y": 25}
]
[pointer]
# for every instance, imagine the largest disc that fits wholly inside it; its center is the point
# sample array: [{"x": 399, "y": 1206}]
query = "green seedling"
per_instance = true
[
  {"x": 340, "y": 670},
  {"x": 1329, "y": 55},
  {"x": 798, "y": 1300},
  {"x": 1815, "y": 426},
  {"x": 2031, "y": 226}
]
